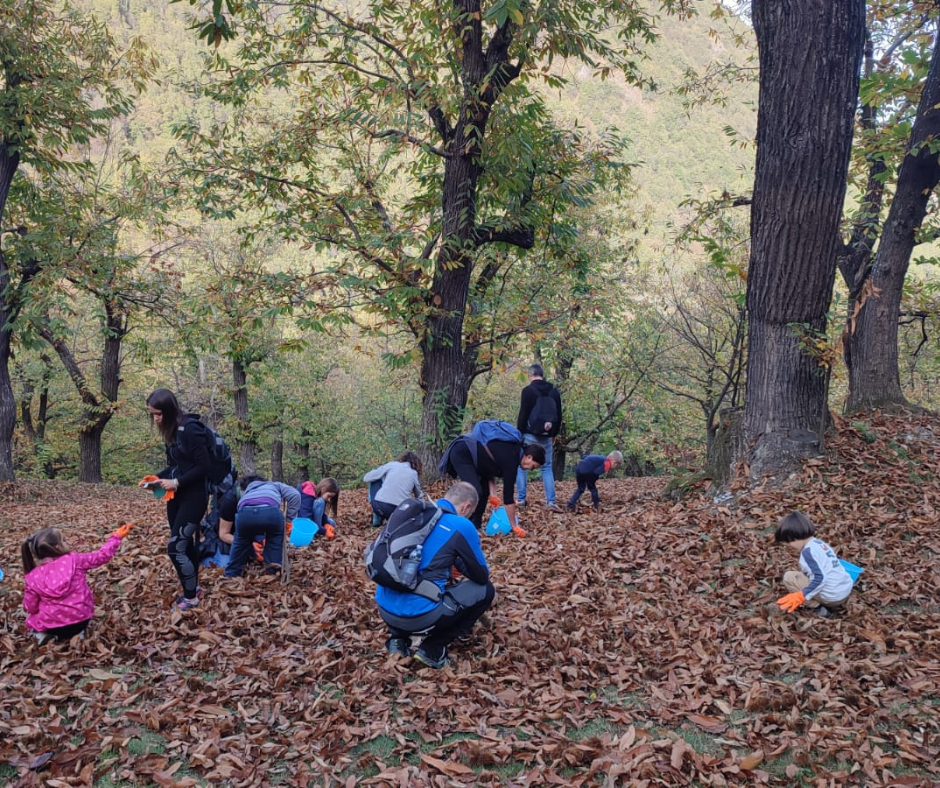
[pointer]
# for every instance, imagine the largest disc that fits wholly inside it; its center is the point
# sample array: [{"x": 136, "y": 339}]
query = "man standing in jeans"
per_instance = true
[{"x": 539, "y": 422}]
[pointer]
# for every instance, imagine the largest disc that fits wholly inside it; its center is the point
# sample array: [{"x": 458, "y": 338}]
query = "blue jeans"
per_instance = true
[
  {"x": 548, "y": 478},
  {"x": 249, "y": 522}
]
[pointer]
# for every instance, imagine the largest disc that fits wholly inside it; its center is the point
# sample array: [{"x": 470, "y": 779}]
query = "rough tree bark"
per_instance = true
[
  {"x": 9, "y": 161},
  {"x": 446, "y": 367},
  {"x": 809, "y": 75},
  {"x": 871, "y": 341},
  {"x": 97, "y": 409},
  {"x": 247, "y": 446}
]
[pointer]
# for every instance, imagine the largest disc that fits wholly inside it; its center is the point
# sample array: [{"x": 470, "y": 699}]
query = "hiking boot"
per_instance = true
[
  {"x": 400, "y": 646},
  {"x": 422, "y": 656},
  {"x": 596, "y": 507},
  {"x": 572, "y": 508},
  {"x": 272, "y": 569},
  {"x": 186, "y": 604},
  {"x": 554, "y": 507}
]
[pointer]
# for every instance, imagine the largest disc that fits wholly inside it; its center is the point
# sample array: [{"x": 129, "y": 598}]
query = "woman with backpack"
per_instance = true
[{"x": 185, "y": 482}]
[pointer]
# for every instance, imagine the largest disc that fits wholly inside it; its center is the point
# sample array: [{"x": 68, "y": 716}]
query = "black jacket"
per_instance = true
[
  {"x": 187, "y": 457},
  {"x": 530, "y": 394}
]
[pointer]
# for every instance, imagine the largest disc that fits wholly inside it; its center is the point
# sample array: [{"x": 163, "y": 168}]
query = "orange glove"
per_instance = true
[
  {"x": 168, "y": 495},
  {"x": 494, "y": 501},
  {"x": 124, "y": 530},
  {"x": 517, "y": 530},
  {"x": 791, "y": 602},
  {"x": 288, "y": 527},
  {"x": 329, "y": 530},
  {"x": 455, "y": 573},
  {"x": 259, "y": 550},
  {"x": 148, "y": 481}
]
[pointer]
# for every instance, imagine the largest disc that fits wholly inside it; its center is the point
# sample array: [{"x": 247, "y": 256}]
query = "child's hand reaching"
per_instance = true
[
  {"x": 124, "y": 530},
  {"x": 791, "y": 602}
]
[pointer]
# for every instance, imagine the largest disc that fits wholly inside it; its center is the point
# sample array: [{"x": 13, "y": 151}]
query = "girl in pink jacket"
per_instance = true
[{"x": 56, "y": 594}]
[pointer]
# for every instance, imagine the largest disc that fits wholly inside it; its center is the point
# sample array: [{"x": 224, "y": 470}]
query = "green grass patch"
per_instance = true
[{"x": 146, "y": 743}]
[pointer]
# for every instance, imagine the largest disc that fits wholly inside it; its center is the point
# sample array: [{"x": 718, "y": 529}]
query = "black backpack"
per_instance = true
[
  {"x": 407, "y": 528},
  {"x": 545, "y": 410},
  {"x": 210, "y": 543},
  {"x": 221, "y": 465}
]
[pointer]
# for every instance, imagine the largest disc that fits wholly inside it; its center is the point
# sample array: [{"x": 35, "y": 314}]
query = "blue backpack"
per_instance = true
[
  {"x": 492, "y": 430},
  {"x": 482, "y": 433}
]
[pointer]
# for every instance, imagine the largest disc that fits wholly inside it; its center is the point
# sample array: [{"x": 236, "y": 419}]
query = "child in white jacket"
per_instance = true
[{"x": 822, "y": 582}]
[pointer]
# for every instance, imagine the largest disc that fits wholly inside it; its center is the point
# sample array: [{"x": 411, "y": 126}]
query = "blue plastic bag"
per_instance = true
[
  {"x": 498, "y": 522},
  {"x": 219, "y": 559},
  {"x": 854, "y": 571}
]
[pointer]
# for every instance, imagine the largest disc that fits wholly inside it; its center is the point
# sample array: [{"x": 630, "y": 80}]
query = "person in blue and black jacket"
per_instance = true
[{"x": 453, "y": 544}]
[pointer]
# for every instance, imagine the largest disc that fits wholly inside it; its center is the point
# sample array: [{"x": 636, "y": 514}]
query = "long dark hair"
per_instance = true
[
  {"x": 326, "y": 485},
  {"x": 412, "y": 459},
  {"x": 47, "y": 543},
  {"x": 165, "y": 401}
]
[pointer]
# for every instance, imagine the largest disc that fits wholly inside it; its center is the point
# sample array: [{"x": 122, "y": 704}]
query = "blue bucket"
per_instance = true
[
  {"x": 854, "y": 571},
  {"x": 498, "y": 522},
  {"x": 303, "y": 531}
]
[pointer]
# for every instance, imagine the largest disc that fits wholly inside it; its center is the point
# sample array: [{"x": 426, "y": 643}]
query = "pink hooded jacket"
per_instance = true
[{"x": 56, "y": 593}]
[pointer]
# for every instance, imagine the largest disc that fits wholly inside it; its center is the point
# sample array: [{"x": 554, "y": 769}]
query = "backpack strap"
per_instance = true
[{"x": 428, "y": 590}]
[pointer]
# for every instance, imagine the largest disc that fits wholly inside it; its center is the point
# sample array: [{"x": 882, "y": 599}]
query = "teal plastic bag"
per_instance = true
[
  {"x": 854, "y": 571},
  {"x": 498, "y": 522}
]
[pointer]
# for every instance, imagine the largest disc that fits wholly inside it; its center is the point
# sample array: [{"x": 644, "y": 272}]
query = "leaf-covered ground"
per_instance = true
[{"x": 640, "y": 646}]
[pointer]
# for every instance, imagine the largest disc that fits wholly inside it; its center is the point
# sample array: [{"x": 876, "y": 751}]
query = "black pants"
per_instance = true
[
  {"x": 67, "y": 632},
  {"x": 462, "y": 605},
  {"x": 588, "y": 482},
  {"x": 383, "y": 509},
  {"x": 461, "y": 461},
  {"x": 184, "y": 513}
]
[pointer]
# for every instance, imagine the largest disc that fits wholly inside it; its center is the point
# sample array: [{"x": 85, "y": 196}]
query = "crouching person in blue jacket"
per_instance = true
[{"x": 453, "y": 544}]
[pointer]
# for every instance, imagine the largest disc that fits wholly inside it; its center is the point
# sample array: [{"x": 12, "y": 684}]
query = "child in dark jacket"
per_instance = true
[
  {"x": 56, "y": 593},
  {"x": 587, "y": 473}
]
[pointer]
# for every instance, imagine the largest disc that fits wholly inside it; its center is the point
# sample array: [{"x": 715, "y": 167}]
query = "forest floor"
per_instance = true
[{"x": 640, "y": 646}]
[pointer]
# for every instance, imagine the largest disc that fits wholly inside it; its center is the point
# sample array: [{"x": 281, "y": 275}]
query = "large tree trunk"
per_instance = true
[
  {"x": 277, "y": 460},
  {"x": 8, "y": 164},
  {"x": 246, "y": 442},
  {"x": 96, "y": 410},
  {"x": 444, "y": 379},
  {"x": 446, "y": 368},
  {"x": 871, "y": 343},
  {"x": 809, "y": 73}
]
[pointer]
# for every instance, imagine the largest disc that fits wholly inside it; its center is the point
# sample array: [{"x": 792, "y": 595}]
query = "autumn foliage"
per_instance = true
[{"x": 640, "y": 646}]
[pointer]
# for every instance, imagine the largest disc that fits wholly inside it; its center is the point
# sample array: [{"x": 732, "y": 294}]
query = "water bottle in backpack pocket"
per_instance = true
[{"x": 394, "y": 557}]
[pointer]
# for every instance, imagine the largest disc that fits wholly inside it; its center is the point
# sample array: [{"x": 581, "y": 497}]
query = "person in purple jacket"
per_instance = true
[
  {"x": 587, "y": 473},
  {"x": 56, "y": 594}
]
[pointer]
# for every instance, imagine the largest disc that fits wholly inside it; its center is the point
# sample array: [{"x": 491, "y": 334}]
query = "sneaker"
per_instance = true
[
  {"x": 572, "y": 508},
  {"x": 422, "y": 656},
  {"x": 520, "y": 504},
  {"x": 271, "y": 569},
  {"x": 376, "y": 520},
  {"x": 553, "y": 507},
  {"x": 179, "y": 597},
  {"x": 185, "y": 604},
  {"x": 400, "y": 646},
  {"x": 823, "y": 612}
]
